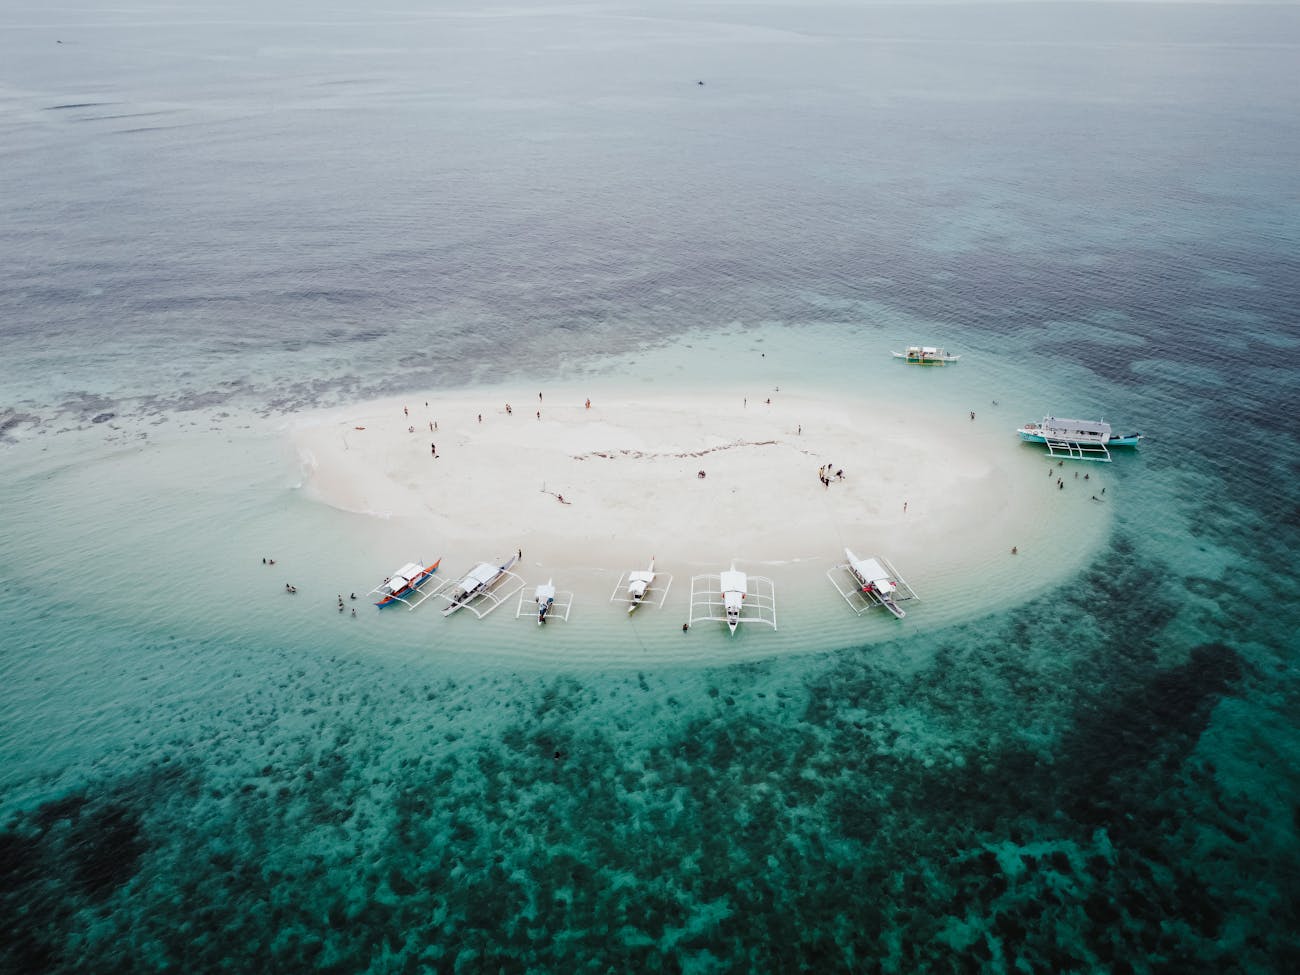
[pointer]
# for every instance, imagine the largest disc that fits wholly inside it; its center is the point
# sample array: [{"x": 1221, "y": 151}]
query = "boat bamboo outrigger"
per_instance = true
[
  {"x": 925, "y": 355},
  {"x": 733, "y": 597},
  {"x": 867, "y": 583},
  {"x": 641, "y": 587},
  {"x": 403, "y": 586},
  {"x": 547, "y": 604},
  {"x": 1077, "y": 439},
  {"x": 478, "y": 591}
]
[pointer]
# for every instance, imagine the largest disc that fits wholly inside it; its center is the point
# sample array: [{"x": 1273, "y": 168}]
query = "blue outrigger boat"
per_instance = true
[{"x": 1077, "y": 439}]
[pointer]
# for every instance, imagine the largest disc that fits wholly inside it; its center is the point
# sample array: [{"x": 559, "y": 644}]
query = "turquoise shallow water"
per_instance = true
[{"x": 208, "y": 230}]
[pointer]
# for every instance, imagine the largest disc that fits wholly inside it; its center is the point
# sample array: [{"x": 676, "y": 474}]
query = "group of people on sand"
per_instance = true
[
  {"x": 825, "y": 476},
  {"x": 433, "y": 424}
]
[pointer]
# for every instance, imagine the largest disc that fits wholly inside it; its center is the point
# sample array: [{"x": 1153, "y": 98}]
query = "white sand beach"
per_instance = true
[{"x": 941, "y": 496}]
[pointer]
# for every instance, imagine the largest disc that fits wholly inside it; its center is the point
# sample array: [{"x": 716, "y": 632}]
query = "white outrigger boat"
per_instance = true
[
  {"x": 478, "y": 591},
  {"x": 867, "y": 583},
  {"x": 733, "y": 597},
  {"x": 547, "y": 603},
  {"x": 641, "y": 587},
  {"x": 403, "y": 586},
  {"x": 925, "y": 355},
  {"x": 1077, "y": 439}
]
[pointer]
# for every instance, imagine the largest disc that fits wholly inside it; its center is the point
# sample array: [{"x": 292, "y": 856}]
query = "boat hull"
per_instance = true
[
  {"x": 1118, "y": 440},
  {"x": 920, "y": 357}
]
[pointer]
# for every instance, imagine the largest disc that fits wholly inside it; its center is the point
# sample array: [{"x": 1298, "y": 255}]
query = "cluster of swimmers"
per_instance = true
[{"x": 1060, "y": 481}]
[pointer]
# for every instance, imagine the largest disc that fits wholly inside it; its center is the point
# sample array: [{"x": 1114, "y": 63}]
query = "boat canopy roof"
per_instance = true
[
  {"x": 641, "y": 575},
  {"x": 870, "y": 568},
  {"x": 1096, "y": 428},
  {"x": 873, "y": 572},
  {"x": 481, "y": 573},
  {"x": 732, "y": 581},
  {"x": 411, "y": 570}
]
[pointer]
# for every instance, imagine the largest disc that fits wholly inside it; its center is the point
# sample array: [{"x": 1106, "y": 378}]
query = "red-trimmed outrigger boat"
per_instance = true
[{"x": 403, "y": 586}]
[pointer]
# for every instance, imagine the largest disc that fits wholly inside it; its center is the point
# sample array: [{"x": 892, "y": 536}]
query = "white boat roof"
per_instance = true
[
  {"x": 1098, "y": 427},
  {"x": 870, "y": 569},
  {"x": 733, "y": 581},
  {"x": 408, "y": 571},
  {"x": 484, "y": 572},
  {"x": 641, "y": 575}
]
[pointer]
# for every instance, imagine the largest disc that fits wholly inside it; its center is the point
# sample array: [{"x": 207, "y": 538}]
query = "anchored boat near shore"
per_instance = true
[
  {"x": 865, "y": 583},
  {"x": 547, "y": 604},
  {"x": 733, "y": 597},
  {"x": 640, "y": 587},
  {"x": 479, "y": 591},
  {"x": 1077, "y": 439},
  {"x": 926, "y": 355},
  {"x": 403, "y": 586}
]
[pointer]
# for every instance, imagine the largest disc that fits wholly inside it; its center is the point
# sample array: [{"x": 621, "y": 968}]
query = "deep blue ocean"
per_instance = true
[{"x": 216, "y": 216}]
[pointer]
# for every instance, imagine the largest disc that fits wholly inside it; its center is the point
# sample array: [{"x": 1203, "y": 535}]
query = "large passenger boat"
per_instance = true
[{"x": 1077, "y": 439}]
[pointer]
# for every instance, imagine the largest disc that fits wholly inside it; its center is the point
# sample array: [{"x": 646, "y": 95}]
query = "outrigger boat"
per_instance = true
[
  {"x": 733, "y": 597},
  {"x": 925, "y": 355},
  {"x": 545, "y": 599},
  {"x": 479, "y": 588},
  {"x": 547, "y": 603},
  {"x": 638, "y": 587},
  {"x": 403, "y": 586},
  {"x": 866, "y": 583},
  {"x": 1077, "y": 439}
]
